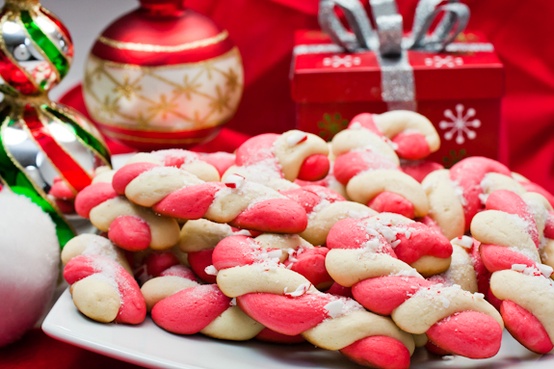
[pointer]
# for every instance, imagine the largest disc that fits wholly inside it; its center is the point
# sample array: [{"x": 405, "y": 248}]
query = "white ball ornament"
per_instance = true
[{"x": 29, "y": 265}]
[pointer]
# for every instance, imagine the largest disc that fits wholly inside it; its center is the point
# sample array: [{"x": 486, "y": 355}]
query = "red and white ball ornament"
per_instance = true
[{"x": 162, "y": 76}]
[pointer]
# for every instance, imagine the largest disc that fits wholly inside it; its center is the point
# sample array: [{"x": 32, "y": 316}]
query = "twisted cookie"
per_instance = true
[
  {"x": 101, "y": 285},
  {"x": 455, "y": 320},
  {"x": 181, "y": 305},
  {"x": 526, "y": 296},
  {"x": 288, "y": 303},
  {"x": 414, "y": 243},
  {"x": 129, "y": 226},
  {"x": 370, "y": 169},
  {"x": 413, "y": 136},
  {"x": 455, "y": 195},
  {"x": 176, "y": 193},
  {"x": 511, "y": 232},
  {"x": 277, "y": 160},
  {"x": 196, "y": 163}
]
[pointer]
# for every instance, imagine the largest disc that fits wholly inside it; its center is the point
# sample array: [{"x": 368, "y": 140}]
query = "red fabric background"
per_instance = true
[{"x": 263, "y": 31}]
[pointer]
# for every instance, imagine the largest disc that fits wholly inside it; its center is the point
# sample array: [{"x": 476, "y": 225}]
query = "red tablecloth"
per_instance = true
[{"x": 263, "y": 31}]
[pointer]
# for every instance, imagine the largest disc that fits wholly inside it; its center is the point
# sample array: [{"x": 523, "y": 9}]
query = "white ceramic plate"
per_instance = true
[{"x": 150, "y": 346}]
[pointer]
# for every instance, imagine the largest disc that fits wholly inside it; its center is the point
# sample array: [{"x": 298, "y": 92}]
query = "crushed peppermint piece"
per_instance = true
[
  {"x": 463, "y": 241},
  {"x": 300, "y": 290},
  {"x": 519, "y": 267},
  {"x": 479, "y": 295},
  {"x": 546, "y": 270},
  {"x": 342, "y": 306},
  {"x": 292, "y": 257},
  {"x": 210, "y": 270},
  {"x": 334, "y": 308},
  {"x": 439, "y": 295},
  {"x": 535, "y": 270},
  {"x": 483, "y": 198},
  {"x": 234, "y": 180}
]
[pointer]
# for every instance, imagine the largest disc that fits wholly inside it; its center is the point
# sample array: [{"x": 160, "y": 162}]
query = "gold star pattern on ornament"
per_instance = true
[
  {"x": 209, "y": 68},
  {"x": 232, "y": 80},
  {"x": 141, "y": 120},
  {"x": 110, "y": 106},
  {"x": 221, "y": 100},
  {"x": 97, "y": 72},
  {"x": 198, "y": 94},
  {"x": 128, "y": 88},
  {"x": 187, "y": 88},
  {"x": 197, "y": 120},
  {"x": 163, "y": 107}
]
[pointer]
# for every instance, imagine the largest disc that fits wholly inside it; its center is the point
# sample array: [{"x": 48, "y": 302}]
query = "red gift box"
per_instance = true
[{"x": 459, "y": 90}]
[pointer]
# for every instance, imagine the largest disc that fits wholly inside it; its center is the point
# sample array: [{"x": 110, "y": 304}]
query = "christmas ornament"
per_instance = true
[
  {"x": 28, "y": 266},
  {"x": 162, "y": 76},
  {"x": 48, "y": 151}
]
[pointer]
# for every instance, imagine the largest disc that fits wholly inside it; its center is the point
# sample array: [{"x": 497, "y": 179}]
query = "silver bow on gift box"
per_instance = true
[{"x": 387, "y": 39}]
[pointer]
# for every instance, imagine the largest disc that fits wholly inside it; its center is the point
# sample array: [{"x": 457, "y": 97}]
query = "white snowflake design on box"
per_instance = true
[
  {"x": 448, "y": 61},
  {"x": 460, "y": 124},
  {"x": 346, "y": 61}
]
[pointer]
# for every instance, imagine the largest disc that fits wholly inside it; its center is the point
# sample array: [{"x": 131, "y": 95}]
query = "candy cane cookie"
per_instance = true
[
  {"x": 511, "y": 232},
  {"x": 176, "y": 193},
  {"x": 193, "y": 162},
  {"x": 196, "y": 309},
  {"x": 455, "y": 320},
  {"x": 183, "y": 306},
  {"x": 414, "y": 243},
  {"x": 455, "y": 195},
  {"x": 277, "y": 160},
  {"x": 370, "y": 169},
  {"x": 128, "y": 225},
  {"x": 288, "y": 303},
  {"x": 526, "y": 296},
  {"x": 199, "y": 238},
  {"x": 101, "y": 286},
  {"x": 412, "y": 134},
  {"x": 324, "y": 208}
]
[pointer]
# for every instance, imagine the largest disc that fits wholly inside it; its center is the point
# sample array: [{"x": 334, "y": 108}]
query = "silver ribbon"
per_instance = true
[{"x": 387, "y": 40}]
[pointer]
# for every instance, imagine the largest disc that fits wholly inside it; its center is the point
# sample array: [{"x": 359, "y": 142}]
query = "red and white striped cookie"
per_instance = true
[
  {"x": 176, "y": 193},
  {"x": 369, "y": 168},
  {"x": 277, "y": 160},
  {"x": 455, "y": 320},
  {"x": 286, "y": 302},
  {"x": 101, "y": 286}
]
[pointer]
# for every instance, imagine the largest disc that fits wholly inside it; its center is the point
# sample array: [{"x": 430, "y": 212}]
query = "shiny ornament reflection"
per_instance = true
[{"x": 48, "y": 151}]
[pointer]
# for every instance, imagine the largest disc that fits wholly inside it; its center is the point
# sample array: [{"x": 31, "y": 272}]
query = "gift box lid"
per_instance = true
[{"x": 324, "y": 72}]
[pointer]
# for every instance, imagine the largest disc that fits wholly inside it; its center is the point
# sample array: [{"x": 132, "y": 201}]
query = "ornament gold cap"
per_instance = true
[{"x": 22, "y": 4}]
